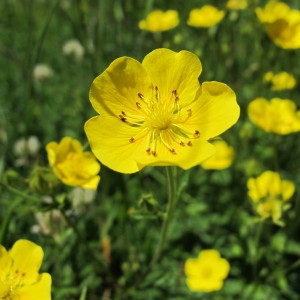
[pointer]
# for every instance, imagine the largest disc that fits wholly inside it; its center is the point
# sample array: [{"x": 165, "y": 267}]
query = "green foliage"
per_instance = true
[{"x": 102, "y": 249}]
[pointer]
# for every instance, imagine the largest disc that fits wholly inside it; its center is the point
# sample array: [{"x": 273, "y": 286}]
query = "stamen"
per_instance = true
[
  {"x": 154, "y": 153},
  {"x": 164, "y": 136},
  {"x": 122, "y": 118},
  {"x": 163, "y": 123},
  {"x": 196, "y": 134},
  {"x": 172, "y": 151},
  {"x": 140, "y": 134},
  {"x": 156, "y": 93},
  {"x": 188, "y": 133}
]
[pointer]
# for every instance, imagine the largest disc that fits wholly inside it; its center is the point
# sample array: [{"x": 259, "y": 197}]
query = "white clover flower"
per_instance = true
[
  {"x": 42, "y": 72},
  {"x": 73, "y": 47},
  {"x": 25, "y": 149}
]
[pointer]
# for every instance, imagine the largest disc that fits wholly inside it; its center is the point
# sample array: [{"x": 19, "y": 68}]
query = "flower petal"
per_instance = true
[
  {"x": 109, "y": 141},
  {"x": 5, "y": 260},
  {"x": 117, "y": 88},
  {"x": 171, "y": 71},
  {"x": 27, "y": 257},
  {"x": 215, "y": 111},
  {"x": 41, "y": 290},
  {"x": 122, "y": 156},
  {"x": 58, "y": 152},
  {"x": 186, "y": 157}
]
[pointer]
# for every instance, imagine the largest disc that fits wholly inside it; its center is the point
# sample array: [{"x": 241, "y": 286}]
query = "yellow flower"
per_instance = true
[
  {"x": 277, "y": 116},
  {"x": 223, "y": 157},
  {"x": 19, "y": 277},
  {"x": 73, "y": 166},
  {"x": 269, "y": 194},
  {"x": 156, "y": 112},
  {"x": 280, "y": 81},
  {"x": 158, "y": 21},
  {"x": 282, "y": 24},
  {"x": 236, "y": 4},
  {"x": 207, "y": 272},
  {"x": 206, "y": 16}
]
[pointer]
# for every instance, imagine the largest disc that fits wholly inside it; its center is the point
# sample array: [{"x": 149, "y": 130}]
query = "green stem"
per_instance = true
[
  {"x": 255, "y": 257},
  {"x": 6, "y": 220},
  {"x": 172, "y": 197},
  {"x": 282, "y": 272},
  {"x": 21, "y": 194}
]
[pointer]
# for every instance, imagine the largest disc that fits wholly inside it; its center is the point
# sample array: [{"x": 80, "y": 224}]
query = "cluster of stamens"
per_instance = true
[{"x": 161, "y": 121}]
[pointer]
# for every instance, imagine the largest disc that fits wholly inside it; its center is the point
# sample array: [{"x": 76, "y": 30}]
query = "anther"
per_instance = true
[
  {"x": 157, "y": 93},
  {"x": 154, "y": 153},
  {"x": 122, "y": 118},
  {"x": 138, "y": 105},
  {"x": 141, "y": 96},
  {"x": 148, "y": 151},
  {"x": 189, "y": 143},
  {"x": 131, "y": 140},
  {"x": 172, "y": 151},
  {"x": 196, "y": 134},
  {"x": 189, "y": 112},
  {"x": 182, "y": 144}
]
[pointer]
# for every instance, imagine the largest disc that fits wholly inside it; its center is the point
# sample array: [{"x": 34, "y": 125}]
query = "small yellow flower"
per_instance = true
[
  {"x": 19, "y": 277},
  {"x": 282, "y": 24},
  {"x": 223, "y": 157},
  {"x": 269, "y": 194},
  {"x": 206, "y": 16},
  {"x": 156, "y": 113},
  {"x": 207, "y": 272},
  {"x": 158, "y": 21},
  {"x": 236, "y": 4},
  {"x": 280, "y": 81},
  {"x": 277, "y": 116},
  {"x": 73, "y": 166}
]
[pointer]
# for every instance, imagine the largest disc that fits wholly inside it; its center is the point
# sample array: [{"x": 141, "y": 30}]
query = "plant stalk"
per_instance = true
[{"x": 172, "y": 198}]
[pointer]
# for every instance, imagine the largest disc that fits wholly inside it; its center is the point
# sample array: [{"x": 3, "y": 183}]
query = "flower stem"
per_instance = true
[{"x": 172, "y": 197}]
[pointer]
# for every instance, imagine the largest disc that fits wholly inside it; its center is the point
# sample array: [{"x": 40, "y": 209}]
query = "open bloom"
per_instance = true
[
  {"x": 222, "y": 159},
  {"x": 19, "y": 277},
  {"x": 269, "y": 194},
  {"x": 73, "y": 166},
  {"x": 277, "y": 116},
  {"x": 156, "y": 112},
  {"x": 158, "y": 21},
  {"x": 207, "y": 272},
  {"x": 206, "y": 16},
  {"x": 282, "y": 24},
  {"x": 280, "y": 81}
]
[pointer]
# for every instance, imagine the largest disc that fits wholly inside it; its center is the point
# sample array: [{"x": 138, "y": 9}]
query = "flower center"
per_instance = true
[
  {"x": 11, "y": 282},
  {"x": 162, "y": 122}
]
